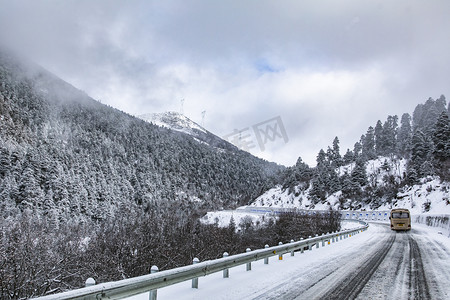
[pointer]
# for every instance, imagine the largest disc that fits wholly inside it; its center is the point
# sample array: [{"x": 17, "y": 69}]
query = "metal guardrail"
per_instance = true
[
  {"x": 368, "y": 215},
  {"x": 138, "y": 285}
]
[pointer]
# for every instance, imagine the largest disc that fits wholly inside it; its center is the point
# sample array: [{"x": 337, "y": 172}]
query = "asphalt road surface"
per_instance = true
[{"x": 392, "y": 265}]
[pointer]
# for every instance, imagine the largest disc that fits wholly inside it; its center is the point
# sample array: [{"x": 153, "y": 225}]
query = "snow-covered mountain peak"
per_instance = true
[
  {"x": 179, "y": 122},
  {"x": 175, "y": 121}
]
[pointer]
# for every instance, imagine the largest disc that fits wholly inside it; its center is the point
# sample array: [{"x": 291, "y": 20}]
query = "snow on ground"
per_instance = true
[
  {"x": 244, "y": 284},
  {"x": 430, "y": 193},
  {"x": 222, "y": 218},
  {"x": 430, "y": 196},
  {"x": 347, "y": 225},
  {"x": 174, "y": 121}
]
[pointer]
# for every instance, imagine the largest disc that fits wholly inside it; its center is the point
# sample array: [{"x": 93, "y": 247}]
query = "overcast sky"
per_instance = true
[{"x": 325, "y": 68}]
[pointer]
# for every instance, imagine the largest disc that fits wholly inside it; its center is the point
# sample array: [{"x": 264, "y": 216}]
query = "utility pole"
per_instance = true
[{"x": 203, "y": 118}]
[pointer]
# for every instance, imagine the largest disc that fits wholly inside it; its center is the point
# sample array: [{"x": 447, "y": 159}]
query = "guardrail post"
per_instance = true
[
  {"x": 249, "y": 265},
  {"x": 280, "y": 256},
  {"x": 340, "y": 237},
  {"x": 195, "y": 280},
  {"x": 317, "y": 243},
  {"x": 266, "y": 260},
  {"x": 332, "y": 240},
  {"x": 292, "y": 252},
  {"x": 90, "y": 282},
  {"x": 309, "y": 246},
  {"x": 226, "y": 272},
  {"x": 153, "y": 294},
  {"x": 323, "y": 240},
  {"x": 302, "y": 250}
]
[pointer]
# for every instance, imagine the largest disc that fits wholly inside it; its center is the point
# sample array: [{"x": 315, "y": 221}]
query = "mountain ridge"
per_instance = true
[
  {"x": 181, "y": 123},
  {"x": 65, "y": 153}
]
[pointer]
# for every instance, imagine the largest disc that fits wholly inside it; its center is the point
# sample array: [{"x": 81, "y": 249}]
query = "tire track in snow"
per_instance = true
[
  {"x": 395, "y": 265},
  {"x": 435, "y": 263},
  {"x": 313, "y": 283},
  {"x": 350, "y": 287},
  {"x": 418, "y": 281}
]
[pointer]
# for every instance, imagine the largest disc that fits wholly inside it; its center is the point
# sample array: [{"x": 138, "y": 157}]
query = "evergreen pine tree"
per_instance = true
[
  {"x": 359, "y": 174},
  {"x": 349, "y": 157},
  {"x": 426, "y": 115},
  {"x": 421, "y": 150},
  {"x": 404, "y": 136},
  {"x": 378, "y": 138},
  {"x": 411, "y": 176},
  {"x": 441, "y": 138},
  {"x": 387, "y": 139},
  {"x": 336, "y": 154},
  {"x": 357, "y": 148},
  {"x": 441, "y": 149},
  {"x": 368, "y": 146}
]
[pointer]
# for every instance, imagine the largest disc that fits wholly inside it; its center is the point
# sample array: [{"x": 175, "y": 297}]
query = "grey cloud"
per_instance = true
[{"x": 229, "y": 57}]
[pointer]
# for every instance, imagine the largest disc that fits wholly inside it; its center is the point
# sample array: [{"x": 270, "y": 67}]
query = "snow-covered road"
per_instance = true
[{"x": 376, "y": 264}]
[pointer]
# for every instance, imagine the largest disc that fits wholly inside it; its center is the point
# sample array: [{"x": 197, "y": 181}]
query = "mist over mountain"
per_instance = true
[{"x": 67, "y": 155}]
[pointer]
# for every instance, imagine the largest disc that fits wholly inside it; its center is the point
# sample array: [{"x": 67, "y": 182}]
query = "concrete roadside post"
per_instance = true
[
  {"x": 266, "y": 260},
  {"x": 90, "y": 282},
  {"x": 226, "y": 272},
  {"x": 153, "y": 294},
  {"x": 249, "y": 265},
  {"x": 195, "y": 280}
]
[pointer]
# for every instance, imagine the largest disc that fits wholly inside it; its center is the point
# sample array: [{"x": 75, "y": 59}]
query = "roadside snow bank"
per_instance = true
[{"x": 437, "y": 221}]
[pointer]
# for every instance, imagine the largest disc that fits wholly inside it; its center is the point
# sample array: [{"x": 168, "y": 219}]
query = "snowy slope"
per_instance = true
[
  {"x": 430, "y": 196},
  {"x": 179, "y": 122},
  {"x": 174, "y": 121}
]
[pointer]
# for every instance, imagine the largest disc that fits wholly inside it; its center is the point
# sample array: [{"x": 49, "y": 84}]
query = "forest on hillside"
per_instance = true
[
  {"x": 89, "y": 191},
  {"x": 71, "y": 157},
  {"x": 422, "y": 139}
]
